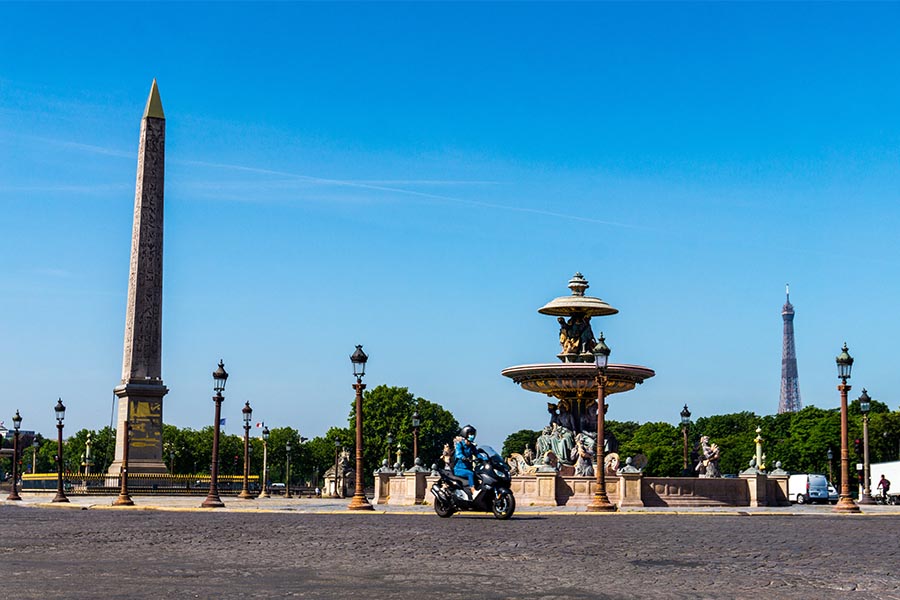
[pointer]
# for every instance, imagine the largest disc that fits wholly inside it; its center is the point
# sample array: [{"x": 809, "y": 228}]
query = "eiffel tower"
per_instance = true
[{"x": 790, "y": 384}]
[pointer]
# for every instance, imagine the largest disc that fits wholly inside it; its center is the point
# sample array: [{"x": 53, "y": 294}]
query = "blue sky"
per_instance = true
[{"x": 420, "y": 178}]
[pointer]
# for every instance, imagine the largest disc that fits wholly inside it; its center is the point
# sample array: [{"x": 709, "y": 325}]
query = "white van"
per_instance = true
[{"x": 807, "y": 487}]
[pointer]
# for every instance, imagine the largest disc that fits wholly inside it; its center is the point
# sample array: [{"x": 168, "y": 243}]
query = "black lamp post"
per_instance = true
[
  {"x": 247, "y": 413},
  {"x": 601, "y": 501},
  {"x": 60, "y": 410},
  {"x": 171, "y": 462},
  {"x": 359, "y": 500},
  {"x": 124, "y": 499},
  {"x": 17, "y": 423},
  {"x": 830, "y": 456},
  {"x": 416, "y": 422},
  {"x": 220, "y": 376},
  {"x": 685, "y": 423},
  {"x": 265, "y": 484},
  {"x": 865, "y": 403},
  {"x": 287, "y": 470},
  {"x": 390, "y": 442},
  {"x": 845, "y": 365},
  {"x": 337, "y": 447}
]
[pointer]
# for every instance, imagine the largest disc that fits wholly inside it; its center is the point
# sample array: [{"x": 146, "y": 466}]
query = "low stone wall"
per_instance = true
[
  {"x": 579, "y": 491},
  {"x": 694, "y": 491}
]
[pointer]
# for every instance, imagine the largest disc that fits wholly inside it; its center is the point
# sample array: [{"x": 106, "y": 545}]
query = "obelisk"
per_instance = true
[{"x": 141, "y": 390}]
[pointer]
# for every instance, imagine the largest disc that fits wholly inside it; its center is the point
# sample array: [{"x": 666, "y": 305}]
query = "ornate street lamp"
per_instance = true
[
  {"x": 416, "y": 422},
  {"x": 685, "y": 423},
  {"x": 247, "y": 413},
  {"x": 830, "y": 456},
  {"x": 844, "y": 365},
  {"x": 171, "y": 462},
  {"x": 17, "y": 423},
  {"x": 124, "y": 499},
  {"x": 601, "y": 359},
  {"x": 220, "y": 376},
  {"x": 60, "y": 410},
  {"x": 390, "y": 442},
  {"x": 337, "y": 447},
  {"x": 865, "y": 403},
  {"x": 359, "y": 500},
  {"x": 287, "y": 470},
  {"x": 265, "y": 484}
]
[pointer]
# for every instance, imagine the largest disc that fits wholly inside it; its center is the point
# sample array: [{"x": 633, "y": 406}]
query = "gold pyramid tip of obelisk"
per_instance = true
[{"x": 154, "y": 104}]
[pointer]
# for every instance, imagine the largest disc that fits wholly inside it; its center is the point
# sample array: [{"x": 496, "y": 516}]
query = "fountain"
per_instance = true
[{"x": 573, "y": 380}]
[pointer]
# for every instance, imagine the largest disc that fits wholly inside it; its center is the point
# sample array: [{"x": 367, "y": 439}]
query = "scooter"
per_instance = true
[{"x": 492, "y": 493}]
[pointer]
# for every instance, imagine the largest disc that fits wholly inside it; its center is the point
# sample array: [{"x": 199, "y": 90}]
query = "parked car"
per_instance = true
[
  {"x": 276, "y": 488},
  {"x": 832, "y": 494},
  {"x": 808, "y": 487}
]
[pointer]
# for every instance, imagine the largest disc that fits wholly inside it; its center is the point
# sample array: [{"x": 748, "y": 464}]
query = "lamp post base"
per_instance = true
[
  {"x": 846, "y": 505},
  {"x": 596, "y": 506},
  {"x": 264, "y": 494},
  {"x": 212, "y": 502},
  {"x": 866, "y": 498},
  {"x": 360, "y": 502},
  {"x": 123, "y": 500},
  {"x": 60, "y": 498},
  {"x": 246, "y": 495},
  {"x": 601, "y": 503},
  {"x": 14, "y": 496}
]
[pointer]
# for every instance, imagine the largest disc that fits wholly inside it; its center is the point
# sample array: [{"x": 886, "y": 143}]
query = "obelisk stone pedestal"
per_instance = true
[{"x": 141, "y": 390}]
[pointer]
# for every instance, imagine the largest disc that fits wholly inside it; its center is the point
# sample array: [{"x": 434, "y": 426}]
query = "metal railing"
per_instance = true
[{"x": 99, "y": 484}]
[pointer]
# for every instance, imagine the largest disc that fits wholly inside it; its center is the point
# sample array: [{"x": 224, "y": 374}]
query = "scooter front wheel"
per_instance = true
[
  {"x": 443, "y": 508},
  {"x": 504, "y": 506}
]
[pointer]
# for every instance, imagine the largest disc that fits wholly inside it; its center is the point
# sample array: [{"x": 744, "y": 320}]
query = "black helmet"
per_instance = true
[{"x": 467, "y": 431}]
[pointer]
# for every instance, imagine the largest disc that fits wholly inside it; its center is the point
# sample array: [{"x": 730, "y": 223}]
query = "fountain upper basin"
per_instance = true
[{"x": 564, "y": 380}]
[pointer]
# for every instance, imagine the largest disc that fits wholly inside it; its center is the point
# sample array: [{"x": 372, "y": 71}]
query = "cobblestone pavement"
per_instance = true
[{"x": 70, "y": 553}]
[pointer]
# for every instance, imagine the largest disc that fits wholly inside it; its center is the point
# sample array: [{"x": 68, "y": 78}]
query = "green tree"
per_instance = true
[
  {"x": 388, "y": 410},
  {"x": 519, "y": 440},
  {"x": 661, "y": 444},
  {"x": 622, "y": 430}
]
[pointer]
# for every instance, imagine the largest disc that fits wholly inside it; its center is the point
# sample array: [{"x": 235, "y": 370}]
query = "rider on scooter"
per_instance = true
[{"x": 463, "y": 451}]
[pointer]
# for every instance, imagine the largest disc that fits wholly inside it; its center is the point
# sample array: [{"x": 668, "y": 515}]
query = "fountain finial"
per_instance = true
[{"x": 578, "y": 284}]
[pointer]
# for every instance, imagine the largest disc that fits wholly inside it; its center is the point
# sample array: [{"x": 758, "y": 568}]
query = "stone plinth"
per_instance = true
[
  {"x": 538, "y": 489},
  {"x": 407, "y": 489},
  {"x": 777, "y": 490},
  {"x": 141, "y": 404},
  {"x": 383, "y": 487},
  {"x": 630, "y": 485},
  {"x": 757, "y": 484}
]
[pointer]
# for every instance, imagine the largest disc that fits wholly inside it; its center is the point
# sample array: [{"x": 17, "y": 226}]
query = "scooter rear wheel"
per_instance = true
[
  {"x": 504, "y": 506},
  {"x": 443, "y": 508}
]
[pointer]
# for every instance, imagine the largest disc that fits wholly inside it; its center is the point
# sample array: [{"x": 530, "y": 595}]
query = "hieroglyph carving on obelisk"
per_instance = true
[{"x": 141, "y": 390}]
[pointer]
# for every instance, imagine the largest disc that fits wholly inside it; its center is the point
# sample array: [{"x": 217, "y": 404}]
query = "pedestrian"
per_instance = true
[{"x": 884, "y": 485}]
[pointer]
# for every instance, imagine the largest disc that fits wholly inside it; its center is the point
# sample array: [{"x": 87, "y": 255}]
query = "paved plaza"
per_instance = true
[{"x": 315, "y": 549}]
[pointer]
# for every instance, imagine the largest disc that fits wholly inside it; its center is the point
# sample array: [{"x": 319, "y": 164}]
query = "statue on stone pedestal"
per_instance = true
[
  {"x": 447, "y": 456},
  {"x": 583, "y": 455},
  {"x": 708, "y": 466}
]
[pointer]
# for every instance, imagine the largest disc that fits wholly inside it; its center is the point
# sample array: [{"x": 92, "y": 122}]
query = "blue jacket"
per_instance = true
[{"x": 463, "y": 452}]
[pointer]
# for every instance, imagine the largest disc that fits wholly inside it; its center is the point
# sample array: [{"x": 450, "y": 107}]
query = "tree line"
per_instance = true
[{"x": 800, "y": 441}]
